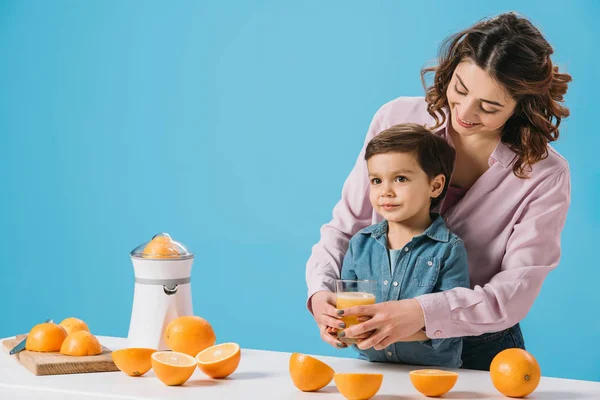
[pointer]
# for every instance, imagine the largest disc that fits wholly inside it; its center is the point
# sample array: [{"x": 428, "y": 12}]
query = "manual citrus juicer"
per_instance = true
[{"x": 162, "y": 291}]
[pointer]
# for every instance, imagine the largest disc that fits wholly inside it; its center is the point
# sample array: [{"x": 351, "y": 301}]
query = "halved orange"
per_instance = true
[
  {"x": 308, "y": 373},
  {"x": 161, "y": 246},
  {"x": 433, "y": 382},
  {"x": 133, "y": 361},
  {"x": 219, "y": 361},
  {"x": 81, "y": 343},
  {"x": 358, "y": 386},
  {"x": 47, "y": 336},
  {"x": 73, "y": 324},
  {"x": 173, "y": 368}
]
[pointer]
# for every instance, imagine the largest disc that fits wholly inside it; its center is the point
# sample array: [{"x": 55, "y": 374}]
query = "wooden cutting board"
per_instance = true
[{"x": 57, "y": 364}]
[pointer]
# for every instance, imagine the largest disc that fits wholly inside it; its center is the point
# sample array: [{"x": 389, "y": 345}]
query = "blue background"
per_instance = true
[{"x": 232, "y": 126}]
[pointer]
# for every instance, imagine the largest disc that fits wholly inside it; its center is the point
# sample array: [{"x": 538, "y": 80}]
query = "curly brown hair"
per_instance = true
[{"x": 516, "y": 54}]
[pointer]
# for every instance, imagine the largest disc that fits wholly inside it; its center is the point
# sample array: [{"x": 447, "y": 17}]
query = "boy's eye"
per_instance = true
[
  {"x": 401, "y": 179},
  {"x": 376, "y": 181}
]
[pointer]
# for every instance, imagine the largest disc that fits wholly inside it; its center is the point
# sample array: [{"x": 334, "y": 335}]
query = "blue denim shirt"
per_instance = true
[{"x": 433, "y": 261}]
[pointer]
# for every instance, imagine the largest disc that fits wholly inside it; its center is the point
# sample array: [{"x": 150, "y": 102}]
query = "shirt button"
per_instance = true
[
  {"x": 429, "y": 263},
  {"x": 406, "y": 249},
  {"x": 389, "y": 353},
  {"x": 395, "y": 283},
  {"x": 438, "y": 333},
  {"x": 385, "y": 282}
]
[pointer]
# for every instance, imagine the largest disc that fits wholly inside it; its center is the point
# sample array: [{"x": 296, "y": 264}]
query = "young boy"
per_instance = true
[{"x": 411, "y": 252}]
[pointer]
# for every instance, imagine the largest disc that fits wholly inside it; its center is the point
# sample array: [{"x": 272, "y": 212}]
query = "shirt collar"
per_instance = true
[{"x": 437, "y": 230}]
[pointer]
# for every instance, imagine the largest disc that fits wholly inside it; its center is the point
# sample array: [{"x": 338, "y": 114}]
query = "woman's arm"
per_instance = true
[
  {"x": 352, "y": 213},
  {"x": 532, "y": 251}
]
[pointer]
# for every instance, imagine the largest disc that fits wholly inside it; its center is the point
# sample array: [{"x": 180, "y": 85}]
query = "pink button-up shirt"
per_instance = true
[{"x": 511, "y": 228}]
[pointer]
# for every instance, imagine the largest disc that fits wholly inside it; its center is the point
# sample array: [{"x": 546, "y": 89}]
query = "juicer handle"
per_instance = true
[{"x": 170, "y": 289}]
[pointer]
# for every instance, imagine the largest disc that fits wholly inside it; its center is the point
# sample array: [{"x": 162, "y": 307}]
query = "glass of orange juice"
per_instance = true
[{"x": 350, "y": 293}]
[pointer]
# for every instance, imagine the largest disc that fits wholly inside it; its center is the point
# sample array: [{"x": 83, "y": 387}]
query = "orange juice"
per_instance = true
[{"x": 351, "y": 299}]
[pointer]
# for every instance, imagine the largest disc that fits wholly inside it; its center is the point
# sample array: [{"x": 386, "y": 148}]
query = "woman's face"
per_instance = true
[{"x": 479, "y": 105}]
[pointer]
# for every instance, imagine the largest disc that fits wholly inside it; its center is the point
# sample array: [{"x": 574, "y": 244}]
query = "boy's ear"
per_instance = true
[{"x": 437, "y": 185}]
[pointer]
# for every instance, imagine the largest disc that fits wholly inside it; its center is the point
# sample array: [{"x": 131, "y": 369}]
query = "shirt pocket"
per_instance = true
[{"x": 426, "y": 271}]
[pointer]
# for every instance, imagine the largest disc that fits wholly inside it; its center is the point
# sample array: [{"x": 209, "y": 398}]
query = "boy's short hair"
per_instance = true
[{"x": 434, "y": 154}]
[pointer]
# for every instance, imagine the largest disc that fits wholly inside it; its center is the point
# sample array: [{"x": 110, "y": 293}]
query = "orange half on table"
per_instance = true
[
  {"x": 433, "y": 382},
  {"x": 358, "y": 386},
  {"x": 133, "y": 361},
  {"x": 173, "y": 368},
  {"x": 308, "y": 373},
  {"x": 219, "y": 361}
]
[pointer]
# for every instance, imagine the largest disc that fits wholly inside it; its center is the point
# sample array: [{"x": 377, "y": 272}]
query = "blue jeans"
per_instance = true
[{"x": 479, "y": 351}]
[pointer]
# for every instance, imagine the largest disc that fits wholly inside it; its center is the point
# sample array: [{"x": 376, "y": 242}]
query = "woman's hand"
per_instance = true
[
  {"x": 391, "y": 322},
  {"x": 326, "y": 317}
]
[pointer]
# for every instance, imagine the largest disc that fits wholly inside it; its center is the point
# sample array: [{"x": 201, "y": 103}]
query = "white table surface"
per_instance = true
[{"x": 260, "y": 375}]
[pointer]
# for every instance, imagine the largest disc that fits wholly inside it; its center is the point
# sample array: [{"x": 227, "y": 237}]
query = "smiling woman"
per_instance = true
[
  {"x": 508, "y": 196},
  {"x": 473, "y": 109},
  {"x": 498, "y": 80}
]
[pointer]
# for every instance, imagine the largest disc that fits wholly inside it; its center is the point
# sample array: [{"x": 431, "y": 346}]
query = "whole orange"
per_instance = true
[
  {"x": 189, "y": 335},
  {"x": 515, "y": 372}
]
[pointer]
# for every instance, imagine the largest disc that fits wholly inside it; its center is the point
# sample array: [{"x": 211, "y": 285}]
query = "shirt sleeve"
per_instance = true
[
  {"x": 532, "y": 251},
  {"x": 352, "y": 213}
]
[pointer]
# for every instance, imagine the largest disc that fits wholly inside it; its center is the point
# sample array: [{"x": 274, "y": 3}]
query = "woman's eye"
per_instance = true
[
  {"x": 483, "y": 110},
  {"x": 376, "y": 181},
  {"x": 400, "y": 179},
  {"x": 458, "y": 91}
]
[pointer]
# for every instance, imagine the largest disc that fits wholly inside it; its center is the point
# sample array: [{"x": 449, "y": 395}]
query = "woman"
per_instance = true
[{"x": 496, "y": 98}]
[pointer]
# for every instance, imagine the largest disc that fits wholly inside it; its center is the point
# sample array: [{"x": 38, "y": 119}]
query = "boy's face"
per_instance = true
[{"x": 400, "y": 189}]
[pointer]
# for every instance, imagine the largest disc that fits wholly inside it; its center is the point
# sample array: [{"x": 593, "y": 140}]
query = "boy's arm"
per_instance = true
[
  {"x": 455, "y": 269},
  {"x": 348, "y": 266},
  {"x": 454, "y": 272}
]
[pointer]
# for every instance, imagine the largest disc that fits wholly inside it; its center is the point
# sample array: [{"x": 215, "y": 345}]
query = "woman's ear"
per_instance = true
[{"x": 437, "y": 186}]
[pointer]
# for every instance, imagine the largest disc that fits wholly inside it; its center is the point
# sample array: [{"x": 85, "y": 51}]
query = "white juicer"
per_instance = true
[{"x": 162, "y": 291}]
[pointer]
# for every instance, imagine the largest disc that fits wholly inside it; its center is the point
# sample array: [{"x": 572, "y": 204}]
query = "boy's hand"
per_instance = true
[
  {"x": 326, "y": 317},
  {"x": 390, "y": 322}
]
